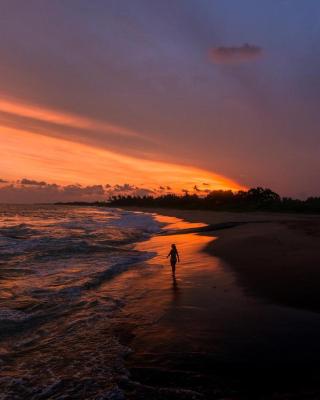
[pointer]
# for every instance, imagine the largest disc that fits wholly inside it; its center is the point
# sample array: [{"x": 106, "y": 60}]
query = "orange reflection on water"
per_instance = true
[
  {"x": 190, "y": 246},
  {"x": 169, "y": 301},
  {"x": 173, "y": 223}
]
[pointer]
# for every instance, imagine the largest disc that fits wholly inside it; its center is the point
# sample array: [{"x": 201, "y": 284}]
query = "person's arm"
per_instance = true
[
  {"x": 169, "y": 254},
  {"x": 178, "y": 256}
]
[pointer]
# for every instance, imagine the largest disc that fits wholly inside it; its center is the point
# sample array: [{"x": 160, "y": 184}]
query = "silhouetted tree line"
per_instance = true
[{"x": 223, "y": 200}]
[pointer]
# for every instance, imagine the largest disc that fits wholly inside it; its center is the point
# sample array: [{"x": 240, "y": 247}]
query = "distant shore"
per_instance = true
[{"x": 277, "y": 260}]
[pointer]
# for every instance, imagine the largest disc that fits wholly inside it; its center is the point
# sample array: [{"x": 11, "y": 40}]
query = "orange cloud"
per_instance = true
[
  {"x": 61, "y": 118},
  {"x": 49, "y": 159}
]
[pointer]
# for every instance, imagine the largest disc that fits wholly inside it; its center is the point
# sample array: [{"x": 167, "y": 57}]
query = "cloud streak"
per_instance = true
[
  {"x": 71, "y": 120},
  {"x": 235, "y": 54}
]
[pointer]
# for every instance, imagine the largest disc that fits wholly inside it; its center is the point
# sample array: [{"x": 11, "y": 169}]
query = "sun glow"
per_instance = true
[{"x": 26, "y": 154}]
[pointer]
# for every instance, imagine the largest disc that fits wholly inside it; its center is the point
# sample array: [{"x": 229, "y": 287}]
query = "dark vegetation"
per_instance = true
[{"x": 256, "y": 199}]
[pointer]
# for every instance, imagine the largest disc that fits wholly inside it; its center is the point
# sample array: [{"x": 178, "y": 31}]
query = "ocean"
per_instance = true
[{"x": 56, "y": 338}]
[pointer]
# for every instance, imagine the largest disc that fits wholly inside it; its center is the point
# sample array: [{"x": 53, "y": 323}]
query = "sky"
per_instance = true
[{"x": 102, "y": 97}]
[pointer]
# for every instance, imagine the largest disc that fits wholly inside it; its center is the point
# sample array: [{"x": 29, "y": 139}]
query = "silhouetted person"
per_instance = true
[{"x": 174, "y": 257}]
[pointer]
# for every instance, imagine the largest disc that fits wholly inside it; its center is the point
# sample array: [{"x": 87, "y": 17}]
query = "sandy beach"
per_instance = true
[
  {"x": 275, "y": 256},
  {"x": 239, "y": 321}
]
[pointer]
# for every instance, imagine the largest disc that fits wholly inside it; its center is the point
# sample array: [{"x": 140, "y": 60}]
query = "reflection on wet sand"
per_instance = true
[
  {"x": 201, "y": 317},
  {"x": 175, "y": 290}
]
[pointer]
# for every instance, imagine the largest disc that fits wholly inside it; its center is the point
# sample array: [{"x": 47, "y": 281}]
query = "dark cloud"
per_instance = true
[
  {"x": 33, "y": 191},
  {"x": 32, "y": 182},
  {"x": 127, "y": 189},
  {"x": 235, "y": 54},
  {"x": 198, "y": 191},
  {"x": 78, "y": 190}
]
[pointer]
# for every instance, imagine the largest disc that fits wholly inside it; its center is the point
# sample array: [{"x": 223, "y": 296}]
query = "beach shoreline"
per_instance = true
[
  {"x": 274, "y": 256},
  {"x": 219, "y": 334}
]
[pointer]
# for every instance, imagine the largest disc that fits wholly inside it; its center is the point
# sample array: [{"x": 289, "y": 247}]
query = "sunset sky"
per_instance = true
[{"x": 103, "y": 97}]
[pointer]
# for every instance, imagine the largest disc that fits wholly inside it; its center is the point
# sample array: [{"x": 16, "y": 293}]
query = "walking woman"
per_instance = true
[{"x": 174, "y": 256}]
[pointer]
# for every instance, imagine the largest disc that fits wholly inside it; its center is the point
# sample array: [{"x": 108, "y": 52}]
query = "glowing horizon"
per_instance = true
[
  {"x": 65, "y": 161},
  {"x": 30, "y": 155}
]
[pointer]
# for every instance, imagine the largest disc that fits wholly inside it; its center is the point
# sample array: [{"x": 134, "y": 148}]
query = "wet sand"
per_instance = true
[
  {"x": 279, "y": 262},
  {"x": 213, "y": 333},
  {"x": 274, "y": 256}
]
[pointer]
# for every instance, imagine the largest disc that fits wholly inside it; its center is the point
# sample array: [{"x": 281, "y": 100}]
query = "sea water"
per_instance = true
[{"x": 56, "y": 337}]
